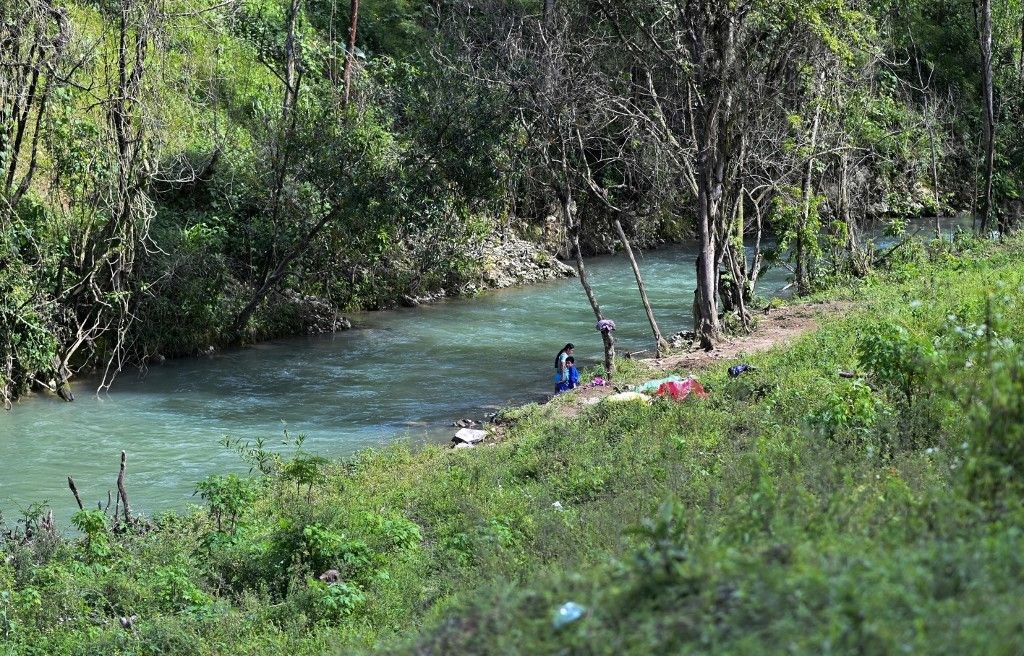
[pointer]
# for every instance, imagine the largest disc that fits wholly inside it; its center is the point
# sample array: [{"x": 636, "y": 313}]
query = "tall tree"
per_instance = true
[
  {"x": 350, "y": 51},
  {"x": 983, "y": 16},
  {"x": 34, "y": 37}
]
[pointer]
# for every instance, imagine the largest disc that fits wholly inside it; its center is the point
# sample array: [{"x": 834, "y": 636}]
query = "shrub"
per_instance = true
[
  {"x": 994, "y": 466},
  {"x": 229, "y": 497},
  {"x": 331, "y": 602},
  {"x": 897, "y": 358},
  {"x": 326, "y": 549},
  {"x": 175, "y": 589},
  {"x": 851, "y": 409},
  {"x": 94, "y": 524}
]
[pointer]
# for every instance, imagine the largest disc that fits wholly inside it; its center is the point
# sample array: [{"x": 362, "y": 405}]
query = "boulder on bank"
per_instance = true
[{"x": 469, "y": 436}]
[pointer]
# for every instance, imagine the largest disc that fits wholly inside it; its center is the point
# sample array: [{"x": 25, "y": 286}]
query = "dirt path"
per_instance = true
[
  {"x": 774, "y": 328},
  {"x": 777, "y": 327}
]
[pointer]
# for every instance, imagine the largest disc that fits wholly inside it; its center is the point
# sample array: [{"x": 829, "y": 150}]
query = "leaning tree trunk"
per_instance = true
[
  {"x": 291, "y": 91},
  {"x": 754, "y": 272},
  {"x": 574, "y": 238},
  {"x": 660, "y": 344},
  {"x": 1020, "y": 61},
  {"x": 936, "y": 196},
  {"x": 932, "y": 112}
]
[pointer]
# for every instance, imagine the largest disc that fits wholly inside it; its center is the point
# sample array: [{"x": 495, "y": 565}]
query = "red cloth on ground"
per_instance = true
[{"x": 680, "y": 390}]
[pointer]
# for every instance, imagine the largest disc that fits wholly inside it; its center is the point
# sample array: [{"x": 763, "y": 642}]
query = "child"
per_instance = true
[
  {"x": 569, "y": 378},
  {"x": 574, "y": 373}
]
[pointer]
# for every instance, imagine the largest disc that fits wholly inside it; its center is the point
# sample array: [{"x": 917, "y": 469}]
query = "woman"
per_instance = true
[{"x": 561, "y": 370}]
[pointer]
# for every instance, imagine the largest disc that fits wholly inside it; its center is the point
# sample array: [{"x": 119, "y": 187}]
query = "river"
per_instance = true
[{"x": 397, "y": 376}]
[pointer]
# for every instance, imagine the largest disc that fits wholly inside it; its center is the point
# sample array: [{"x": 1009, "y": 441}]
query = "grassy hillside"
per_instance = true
[{"x": 794, "y": 510}]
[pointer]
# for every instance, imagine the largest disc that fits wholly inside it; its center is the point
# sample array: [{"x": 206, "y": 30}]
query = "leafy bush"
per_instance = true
[
  {"x": 994, "y": 466},
  {"x": 897, "y": 358},
  {"x": 94, "y": 524},
  {"x": 327, "y": 549},
  {"x": 851, "y": 410},
  {"x": 176, "y": 590},
  {"x": 331, "y": 602},
  {"x": 229, "y": 497}
]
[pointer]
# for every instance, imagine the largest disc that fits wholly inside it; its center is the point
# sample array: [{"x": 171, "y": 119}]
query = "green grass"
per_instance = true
[{"x": 793, "y": 511}]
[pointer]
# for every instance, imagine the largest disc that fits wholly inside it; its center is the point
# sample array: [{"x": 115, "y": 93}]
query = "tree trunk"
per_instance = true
[
  {"x": 755, "y": 264},
  {"x": 281, "y": 155},
  {"x": 846, "y": 215},
  {"x": 706, "y": 321},
  {"x": 350, "y": 53},
  {"x": 278, "y": 274},
  {"x": 937, "y": 198},
  {"x": 989, "y": 120},
  {"x": 660, "y": 344},
  {"x": 803, "y": 278},
  {"x": 291, "y": 91},
  {"x": 573, "y": 228},
  {"x": 1020, "y": 61},
  {"x": 122, "y": 492},
  {"x": 736, "y": 268}
]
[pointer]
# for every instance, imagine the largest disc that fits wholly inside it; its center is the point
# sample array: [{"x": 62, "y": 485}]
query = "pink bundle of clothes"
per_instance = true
[{"x": 680, "y": 390}]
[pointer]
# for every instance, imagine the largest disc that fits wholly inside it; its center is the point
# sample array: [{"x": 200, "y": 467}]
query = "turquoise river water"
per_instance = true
[{"x": 398, "y": 376}]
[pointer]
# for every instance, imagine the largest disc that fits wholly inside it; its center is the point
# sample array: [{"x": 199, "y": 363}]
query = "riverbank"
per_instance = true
[
  {"x": 792, "y": 510},
  {"x": 501, "y": 263},
  {"x": 775, "y": 326},
  {"x": 170, "y": 328}
]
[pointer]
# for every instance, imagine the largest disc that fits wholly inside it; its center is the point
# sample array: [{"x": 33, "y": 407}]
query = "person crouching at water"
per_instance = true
[
  {"x": 572, "y": 377},
  {"x": 561, "y": 371},
  {"x": 574, "y": 373}
]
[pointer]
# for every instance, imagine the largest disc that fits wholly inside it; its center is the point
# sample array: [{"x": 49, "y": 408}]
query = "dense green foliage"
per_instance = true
[
  {"x": 191, "y": 172},
  {"x": 794, "y": 510},
  {"x": 188, "y": 173},
  {"x": 155, "y": 205}
]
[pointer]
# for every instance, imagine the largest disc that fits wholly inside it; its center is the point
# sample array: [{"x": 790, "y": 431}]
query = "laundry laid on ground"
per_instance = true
[
  {"x": 653, "y": 385},
  {"x": 679, "y": 390},
  {"x": 625, "y": 397},
  {"x": 469, "y": 436},
  {"x": 675, "y": 387}
]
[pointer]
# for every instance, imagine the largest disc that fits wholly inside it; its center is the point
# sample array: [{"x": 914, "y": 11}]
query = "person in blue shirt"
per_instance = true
[
  {"x": 574, "y": 373},
  {"x": 570, "y": 377},
  {"x": 561, "y": 370}
]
